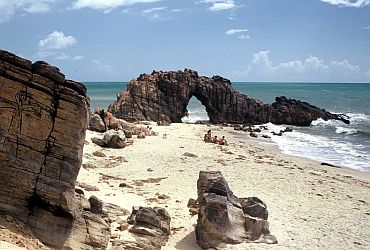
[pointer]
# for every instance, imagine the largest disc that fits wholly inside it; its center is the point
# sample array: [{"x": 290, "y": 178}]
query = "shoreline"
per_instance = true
[
  {"x": 304, "y": 199},
  {"x": 310, "y": 206}
]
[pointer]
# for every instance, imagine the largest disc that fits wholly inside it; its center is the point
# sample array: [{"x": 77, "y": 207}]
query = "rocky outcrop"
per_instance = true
[
  {"x": 96, "y": 123},
  {"x": 224, "y": 218},
  {"x": 43, "y": 119},
  {"x": 163, "y": 97},
  {"x": 111, "y": 139},
  {"x": 150, "y": 228}
]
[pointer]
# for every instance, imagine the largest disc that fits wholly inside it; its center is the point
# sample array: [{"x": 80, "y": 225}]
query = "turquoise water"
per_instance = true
[
  {"x": 102, "y": 94},
  {"x": 327, "y": 141}
]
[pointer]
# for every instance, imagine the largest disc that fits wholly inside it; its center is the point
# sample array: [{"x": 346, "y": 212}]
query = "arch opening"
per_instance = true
[{"x": 196, "y": 112}]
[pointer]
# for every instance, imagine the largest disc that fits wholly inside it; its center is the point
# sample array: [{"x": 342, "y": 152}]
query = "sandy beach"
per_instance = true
[{"x": 310, "y": 206}]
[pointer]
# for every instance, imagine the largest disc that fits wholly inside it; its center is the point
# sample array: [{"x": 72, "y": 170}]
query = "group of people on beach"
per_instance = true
[{"x": 214, "y": 139}]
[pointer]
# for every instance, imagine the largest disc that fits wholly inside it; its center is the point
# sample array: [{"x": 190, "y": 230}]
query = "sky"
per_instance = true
[{"x": 243, "y": 40}]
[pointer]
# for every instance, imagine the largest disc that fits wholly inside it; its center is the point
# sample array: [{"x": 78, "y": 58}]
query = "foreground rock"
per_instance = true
[
  {"x": 163, "y": 97},
  {"x": 111, "y": 139},
  {"x": 224, "y": 218},
  {"x": 43, "y": 119},
  {"x": 151, "y": 229}
]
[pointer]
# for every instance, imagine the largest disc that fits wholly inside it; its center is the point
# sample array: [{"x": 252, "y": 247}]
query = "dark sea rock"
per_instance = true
[
  {"x": 224, "y": 218},
  {"x": 163, "y": 97},
  {"x": 43, "y": 120}
]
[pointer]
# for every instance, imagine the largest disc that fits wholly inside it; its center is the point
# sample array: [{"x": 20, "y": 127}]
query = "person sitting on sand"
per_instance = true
[
  {"x": 147, "y": 131},
  {"x": 216, "y": 139},
  {"x": 223, "y": 141},
  {"x": 208, "y": 136}
]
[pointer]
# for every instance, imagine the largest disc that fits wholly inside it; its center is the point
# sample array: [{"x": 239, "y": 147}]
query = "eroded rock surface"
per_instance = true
[
  {"x": 163, "y": 97},
  {"x": 111, "y": 139},
  {"x": 43, "y": 119},
  {"x": 150, "y": 229},
  {"x": 224, "y": 218}
]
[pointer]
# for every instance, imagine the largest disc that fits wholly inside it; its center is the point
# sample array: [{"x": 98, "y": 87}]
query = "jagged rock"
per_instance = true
[
  {"x": 114, "y": 139},
  {"x": 43, "y": 120},
  {"x": 99, "y": 153},
  {"x": 252, "y": 134},
  {"x": 151, "y": 228},
  {"x": 113, "y": 212},
  {"x": 278, "y": 134},
  {"x": 163, "y": 97},
  {"x": 111, "y": 139},
  {"x": 96, "y": 205},
  {"x": 96, "y": 123},
  {"x": 87, "y": 187},
  {"x": 223, "y": 218},
  {"x": 253, "y": 206},
  {"x": 193, "y": 206},
  {"x": 190, "y": 155},
  {"x": 98, "y": 141}
]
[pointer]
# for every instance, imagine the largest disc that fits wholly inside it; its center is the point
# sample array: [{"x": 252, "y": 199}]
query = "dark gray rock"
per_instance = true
[
  {"x": 151, "y": 229},
  {"x": 224, "y": 218},
  {"x": 163, "y": 97},
  {"x": 96, "y": 205}
]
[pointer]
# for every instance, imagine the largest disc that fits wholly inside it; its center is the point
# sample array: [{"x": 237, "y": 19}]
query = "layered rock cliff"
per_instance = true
[
  {"x": 164, "y": 96},
  {"x": 43, "y": 119}
]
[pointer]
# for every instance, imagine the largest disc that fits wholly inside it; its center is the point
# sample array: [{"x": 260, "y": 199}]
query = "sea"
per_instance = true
[{"x": 330, "y": 141}]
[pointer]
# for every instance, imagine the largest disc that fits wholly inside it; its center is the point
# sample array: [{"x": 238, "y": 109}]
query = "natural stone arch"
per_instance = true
[
  {"x": 196, "y": 111},
  {"x": 163, "y": 97}
]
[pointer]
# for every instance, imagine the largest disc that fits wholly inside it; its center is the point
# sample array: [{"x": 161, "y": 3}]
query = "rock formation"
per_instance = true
[
  {"x": 224, "y": 218},
  {"x": 150, "y": 228},
  {"x": 111, "y": 139},
  {"x": 43, "y": 119},
  {"x": 163, "y": 97}
]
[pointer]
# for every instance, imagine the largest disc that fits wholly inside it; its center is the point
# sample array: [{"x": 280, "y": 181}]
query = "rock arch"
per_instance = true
[{"x": 164, "y": 96}]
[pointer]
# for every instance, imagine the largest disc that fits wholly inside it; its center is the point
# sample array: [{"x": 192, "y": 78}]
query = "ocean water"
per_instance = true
[{"x": 326, "y": 141}]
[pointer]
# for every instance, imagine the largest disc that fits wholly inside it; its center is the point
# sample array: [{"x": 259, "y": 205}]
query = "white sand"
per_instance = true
[{"x": 310, "y": 206}]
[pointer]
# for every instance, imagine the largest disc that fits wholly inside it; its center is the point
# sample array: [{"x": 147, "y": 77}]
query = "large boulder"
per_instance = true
[
  {"x": 150, "y": 228},
  {"x": 164, "y": 96},
  {"x": 111, "y": 139},
  {"x": 224, "y": 218},
  {"x": 96, "y": 123},
  {"x": 43, "y": 120}
]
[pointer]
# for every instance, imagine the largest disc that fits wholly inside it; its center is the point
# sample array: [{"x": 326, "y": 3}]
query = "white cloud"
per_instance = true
[
  {"x": 178, "y": 10},
  {"x": 102, "y": 66},
  {"x": 42, "y": 55},
  {"x": 9, "y": 8},
  {"x": 77, "y": 58},
  {"x": 238, "y": 31},
  {"x": 312, "y": 68},
  {"x": 57, "y": 40},
  {"x": 106, "y": 5},
  {"x": 243, "y": 37},
  {"x": 62, "y": 56},
  {"x": 219, "y": 5},
  {"x": 348, "y": 3},
  {"x": 235, "y": 31},
  {"x": 156, "y": 14},
  {"x": 39, "y": 6},
  {"x": 151, "y": 10},
  {"x": 366, "y": 28}
]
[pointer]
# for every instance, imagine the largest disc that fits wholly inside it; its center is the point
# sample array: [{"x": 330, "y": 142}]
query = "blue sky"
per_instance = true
[{"x": 243, "y": 40}]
